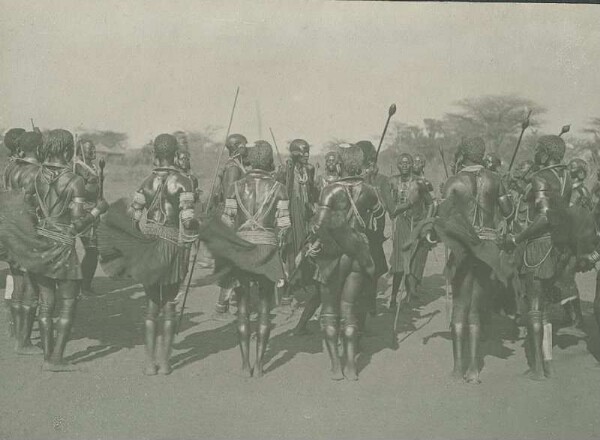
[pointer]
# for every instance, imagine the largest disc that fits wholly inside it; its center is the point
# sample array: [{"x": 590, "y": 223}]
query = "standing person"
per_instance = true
[
  {"x": 375, "y": 226},
  {"x": 184, "y": 163},
  {"x": 85, "y": 167},
  {"x": 345, "y": 265},
  {"x": 299, "y": 179},
  {"x": 332, "y": 173},
  {"x": 153, "y": 252},
  {"x": 419, "y": 162},
  {"x": 411, "y": 203},
  {"x": 10, "y": 140},
  {"x": 60, "y": 197},
  {"x": 233, "y": 171},
  {"x": 259, "y": 205},
  {"x": 479, "y": 195},
  {"x": 570, "y": 298},
  {"x": 24, "y": 299},
  {"x": 550, "y": 189}
]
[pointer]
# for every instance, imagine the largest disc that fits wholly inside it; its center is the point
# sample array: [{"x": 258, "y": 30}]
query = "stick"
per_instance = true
[
  {"x": 32, "y": 124},
  {"x": 391, "y": 112},
  {"x": 214, "y": 181},
  {"x": 524, "y": 126},
  {"x": 102, "y": 164},
  {"x": 447, "y": 286},
  {"x": 276, "y": 148},
  {"x": 443, "y": 160},
  {"x": 187, "y": 288},
  {"x": 74, "y": 152}
]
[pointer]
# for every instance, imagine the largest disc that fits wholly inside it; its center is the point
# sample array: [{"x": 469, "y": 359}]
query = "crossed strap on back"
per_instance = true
[
  {"x": 254, "y": 220},
  {"x": 60, "y": 198},
  {"x": 353, "y": 212},
  {"x": 159, "y": 195}
]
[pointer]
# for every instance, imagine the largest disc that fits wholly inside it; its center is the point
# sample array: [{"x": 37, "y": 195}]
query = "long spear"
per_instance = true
[
  {"x": 391, "y": 112},
  {"x": 212, "y": 190},
  {"x": 214, "y": 181},
  {"x": 565, "y": 129},
  {"x": 101, "y": 164},
  {"x": 524, "y": 126},
  {"x": 276, "y": 147},
  {"x": 441, "y": 150}
]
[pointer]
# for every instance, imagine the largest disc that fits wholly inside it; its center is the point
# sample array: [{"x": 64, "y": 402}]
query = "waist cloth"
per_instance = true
[{"x": 43, "y": 247}]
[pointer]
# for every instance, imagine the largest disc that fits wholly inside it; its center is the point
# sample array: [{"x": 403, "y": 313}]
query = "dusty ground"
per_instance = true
[{"x": 404, "y": 389}]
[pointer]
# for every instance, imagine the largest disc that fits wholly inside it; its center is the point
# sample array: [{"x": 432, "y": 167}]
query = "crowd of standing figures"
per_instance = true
[{"x": 514, "y": 241}]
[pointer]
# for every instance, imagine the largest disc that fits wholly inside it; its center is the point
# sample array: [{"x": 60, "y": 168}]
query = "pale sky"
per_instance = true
[{"x": 316, "y": 70}]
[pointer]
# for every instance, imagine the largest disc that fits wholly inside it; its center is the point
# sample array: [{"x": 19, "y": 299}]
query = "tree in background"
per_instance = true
[
  {"x": 496, "y": 118},
  {"x": 108, "y": 138}
]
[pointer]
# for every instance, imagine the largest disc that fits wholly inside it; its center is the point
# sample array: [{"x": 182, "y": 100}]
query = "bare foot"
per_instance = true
[
  {"x": 247, "y": 371},
  {"x": 457, "y": 375},
  {"x": 150, "y": 370},
  {"x": 259, "y": 369},
  {"x": 165, "y": 369},
  {"x": 549, "y": 369},
  {"x": 336, "y": 374},
  {"x": 59, "y": 367},
  {"x": 350, "y": 373},
  {"x": 472, "y": 376},
  {"x": 537, "y": 376},
  {"x": 29, "y": 350}
]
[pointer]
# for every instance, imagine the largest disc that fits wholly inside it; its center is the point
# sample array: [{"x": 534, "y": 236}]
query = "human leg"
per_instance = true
[
  {"x": 266, "y": 290},
  {"x": 89, "y": 264},
  {"x": 352, "y": 289},
  {"x": 310, "y": 308},
  {"x": 68, "y": 291},
  {"x": 168, "y": 308},
  {"x": 28, "y": 311},
  {"x": 243, "y": 327},
  {"x": 47, "y": 302}
]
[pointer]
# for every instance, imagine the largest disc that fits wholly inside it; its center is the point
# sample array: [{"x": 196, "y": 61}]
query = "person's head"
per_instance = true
[
  {"x": 10, "y": 139},
  {"x": 29, "y": 143},
  {"x": 234, "y": 143},
  {"x": 260, "y": 156},
  {"x": 300, "y": 151},
  {"x": 351, "y": 160},
  {"x": 165, "y": 148},
  {"x": 419, "y": 162},
  {"x": 492, "y": 162},
  {"x": 183, "y": 159},
  {"x": 182, "y": 140},
  {"x": 369, "y": 152},
  {"x": 58, "y": 146},
  {"x": 471, "y": 151},
  {"x": 550, "y": 150},
  {"x": 404, "y": 163},
  {"x": 578, "y": 169},
  {"x": 88, "y": 148},
  {"x": 332, "y": 162}
]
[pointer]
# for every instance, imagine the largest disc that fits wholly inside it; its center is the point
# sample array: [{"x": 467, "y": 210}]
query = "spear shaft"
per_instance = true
[{"x": 523, "y": 128}]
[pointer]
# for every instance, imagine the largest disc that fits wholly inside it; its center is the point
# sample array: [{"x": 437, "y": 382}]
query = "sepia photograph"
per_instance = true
[{"x": 299, "y": 220}]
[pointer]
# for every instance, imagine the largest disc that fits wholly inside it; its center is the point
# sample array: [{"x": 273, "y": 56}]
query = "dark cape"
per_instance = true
[
  {"x": 126, "y": 252},
  {"x": 21, "y": 245}
]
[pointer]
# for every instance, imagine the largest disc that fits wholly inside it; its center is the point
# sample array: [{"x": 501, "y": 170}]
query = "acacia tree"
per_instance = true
[{"x": 496, "y": 118}]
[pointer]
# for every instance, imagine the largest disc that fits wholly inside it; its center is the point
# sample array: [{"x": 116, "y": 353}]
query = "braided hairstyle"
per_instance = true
[
  {"x": 58, "y": 143},
  {"x": 369, "y": 151},
  {"x": 351, "y": 159},
  {"x": 11, "y": 137},
  {"x": 30, "y": 141},
  {"x": 472, "y": 149},
  {"x": 165, "y": 147},
  {"x": 260, "y": 156},
  {"x": 553, "y": 146}
]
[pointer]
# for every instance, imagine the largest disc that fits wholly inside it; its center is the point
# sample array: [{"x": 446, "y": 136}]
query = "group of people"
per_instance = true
[{"x": 514, "y": 241}]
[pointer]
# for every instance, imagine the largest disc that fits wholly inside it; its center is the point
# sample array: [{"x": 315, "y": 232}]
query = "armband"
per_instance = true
[
  {"x": 139, "y": 199},
  {"x": 186, "y": 199},
  {"x": 95, "y": 212},
  {"x": 187, "y": 214},
  {"x": 137, "y": 215},
  {"x": 595, "y": 256},
  {"x": 230, "y": 207},
  {"x": 283, "y": 222},
  {"x": 78, "y": 199}
]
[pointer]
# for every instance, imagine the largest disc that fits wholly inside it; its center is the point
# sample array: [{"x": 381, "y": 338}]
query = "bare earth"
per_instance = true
[{"x": 404, "y": 389}]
